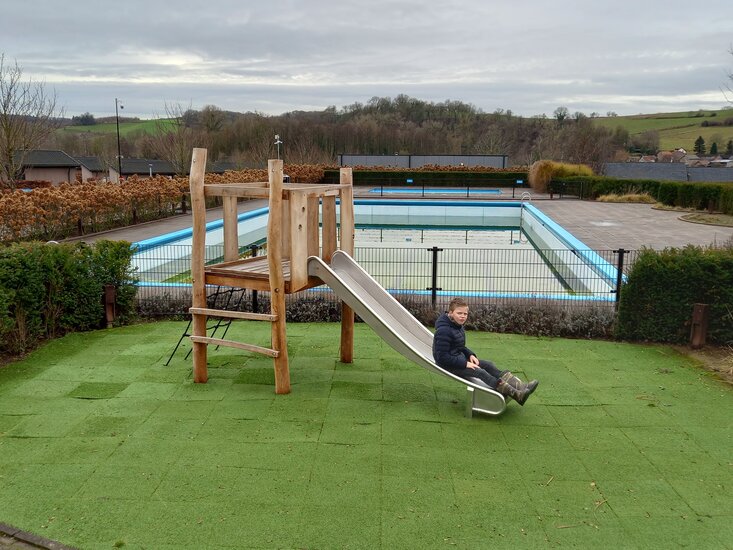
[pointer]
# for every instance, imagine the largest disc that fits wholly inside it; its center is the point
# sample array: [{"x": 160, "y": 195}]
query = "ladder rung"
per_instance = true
[
  {"x": 232, "y": 314},
  {"x": 239, "y": 345}
]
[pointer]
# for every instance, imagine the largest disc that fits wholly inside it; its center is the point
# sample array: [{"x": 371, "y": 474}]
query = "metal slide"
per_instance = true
[{"x": 395, "y": 325}]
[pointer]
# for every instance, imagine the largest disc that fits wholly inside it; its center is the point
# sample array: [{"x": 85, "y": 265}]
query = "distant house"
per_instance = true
[
  {"x": 94, "y": 165},
  {"x": 54, "y": 166},
  {"x": 648, "y": 158}
]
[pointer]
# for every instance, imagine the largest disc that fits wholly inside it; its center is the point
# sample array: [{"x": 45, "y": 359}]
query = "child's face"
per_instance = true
[{"x": 459, "y": 315}]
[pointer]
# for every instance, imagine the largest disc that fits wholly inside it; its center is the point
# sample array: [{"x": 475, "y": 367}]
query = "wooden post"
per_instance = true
[
  {"x": 231, "y": 234},
  {"x": 347, "y": 245},
  {"x": 198, "y": 257},
  {"x": 313, "y": 248},
  {"x": 298, "y": 240},
  {"x": 277, "y": 281},
  {"x": 329, "y": 228}
]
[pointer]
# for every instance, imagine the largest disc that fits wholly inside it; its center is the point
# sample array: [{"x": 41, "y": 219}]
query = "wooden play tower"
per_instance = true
[{"x": 292, "y": 236}]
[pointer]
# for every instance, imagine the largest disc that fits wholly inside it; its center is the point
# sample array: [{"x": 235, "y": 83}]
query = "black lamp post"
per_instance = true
[{"x": 119, "y": 150}]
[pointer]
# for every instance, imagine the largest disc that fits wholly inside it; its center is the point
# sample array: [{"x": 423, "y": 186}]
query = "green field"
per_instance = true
[
  {"x": 677, "y": 129},
  {"x": 126, "y": 128}
]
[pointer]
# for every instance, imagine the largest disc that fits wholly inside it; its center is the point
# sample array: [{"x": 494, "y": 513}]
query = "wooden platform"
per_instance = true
[{"x": 253, "y": 273}]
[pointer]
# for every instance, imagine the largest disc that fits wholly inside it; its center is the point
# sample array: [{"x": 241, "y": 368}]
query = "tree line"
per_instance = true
[{"x": 381, "y": 126}]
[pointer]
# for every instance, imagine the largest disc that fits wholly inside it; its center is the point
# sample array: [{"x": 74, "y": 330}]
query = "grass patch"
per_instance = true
[{"x": 645, "y": 198}]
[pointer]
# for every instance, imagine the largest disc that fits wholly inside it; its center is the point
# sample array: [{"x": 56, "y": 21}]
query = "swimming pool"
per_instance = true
[
  {"x": 526, "y": 254},
  {"x": 433, "y": 191}
]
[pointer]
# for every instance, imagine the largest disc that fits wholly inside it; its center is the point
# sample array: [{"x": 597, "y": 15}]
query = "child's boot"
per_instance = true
[
  {"x": 507, "y": 390},
  {"x": 516, "y": 382}
]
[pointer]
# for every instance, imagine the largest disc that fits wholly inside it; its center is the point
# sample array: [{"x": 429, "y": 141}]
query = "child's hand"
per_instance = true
[
  {"x": 473, "y": 359},
  {"x": 471, "y": 365}
]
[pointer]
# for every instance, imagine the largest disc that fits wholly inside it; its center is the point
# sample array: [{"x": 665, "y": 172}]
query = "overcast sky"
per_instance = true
[{"x": 274, "y": 56}]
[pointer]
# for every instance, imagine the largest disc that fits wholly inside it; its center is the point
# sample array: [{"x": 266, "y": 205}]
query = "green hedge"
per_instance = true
[
  {"x": 48, "y": 290},
  {"x": 657, "y": 300},
  {"x": 436, "y": 178},
  {"x": 698, "y": 195}
]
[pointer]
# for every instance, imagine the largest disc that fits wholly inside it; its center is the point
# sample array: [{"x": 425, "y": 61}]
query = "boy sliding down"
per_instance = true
[{"x": 450, "y": 352}]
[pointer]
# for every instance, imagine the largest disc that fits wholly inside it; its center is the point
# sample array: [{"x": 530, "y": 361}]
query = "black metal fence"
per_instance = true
[{"x": 567, "y": 278}]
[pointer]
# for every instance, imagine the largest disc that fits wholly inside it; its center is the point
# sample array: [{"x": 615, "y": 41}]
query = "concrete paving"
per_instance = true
[{"x": 602, "y": 226}]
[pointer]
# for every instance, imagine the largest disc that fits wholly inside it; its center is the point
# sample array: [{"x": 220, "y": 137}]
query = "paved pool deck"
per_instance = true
[{"x": 602, "y": 226}]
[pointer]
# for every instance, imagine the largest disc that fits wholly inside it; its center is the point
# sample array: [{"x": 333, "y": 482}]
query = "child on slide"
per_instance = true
[{"x": 450, "y": 352}]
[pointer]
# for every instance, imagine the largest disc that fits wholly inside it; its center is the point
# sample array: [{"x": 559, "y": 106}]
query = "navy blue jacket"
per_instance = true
[{"x": 449, "y": 344}]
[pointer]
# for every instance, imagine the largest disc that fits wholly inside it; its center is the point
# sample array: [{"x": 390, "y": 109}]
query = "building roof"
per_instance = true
[
  {"x": 144, "y": 166},
  {"x": 46, "y": 158},
  {"x": 93, "y": 164}
]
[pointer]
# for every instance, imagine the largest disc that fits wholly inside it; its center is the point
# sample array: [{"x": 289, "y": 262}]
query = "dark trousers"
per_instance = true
[{"x": 487, "y": 372}]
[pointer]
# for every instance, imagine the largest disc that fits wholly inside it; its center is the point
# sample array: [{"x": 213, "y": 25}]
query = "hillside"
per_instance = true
[
  {"x": 677, "y": 129},
  {"x": 126, "y": 128}
]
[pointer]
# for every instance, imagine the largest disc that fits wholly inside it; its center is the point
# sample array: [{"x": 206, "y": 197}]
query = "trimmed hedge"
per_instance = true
[
  {"x": 698, "y": 195},
  {"x": 657, "y": 300},
  {"x": 437, "y": 178},
  {"x": 47, "y": 290}
]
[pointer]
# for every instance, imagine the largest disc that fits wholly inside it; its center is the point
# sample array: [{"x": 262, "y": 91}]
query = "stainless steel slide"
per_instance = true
[{"x": 395, "y": 325}]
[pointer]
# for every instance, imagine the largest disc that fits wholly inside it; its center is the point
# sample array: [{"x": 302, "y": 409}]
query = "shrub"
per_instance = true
[
  {"x": 542, "y": 172},
  {"x": 50, "y": 289},
  {"x": 657, "y": 299}
]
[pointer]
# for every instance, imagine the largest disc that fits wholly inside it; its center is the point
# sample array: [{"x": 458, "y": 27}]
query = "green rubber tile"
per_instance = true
[
  {"x": 674, "y": 532},
  {"x": 47, "y": 425},
  {"x": 8, "y": 422},
  {"x": 355, "y": 374},
  {"x": 312, "y": 389},
  {"x": 345, "y": 459},
  {"x": 213, "y": 390},
  {"x": 657, "y": 437},
  {"x": 475, "y": 435},
  {"x": 549, "y": 465},
  {"x": 256, "y": 375},
  {"x": 626, "y": 463},
  {"x": 533, "y": 438},
  {"x": 38, "y": 388},
  {"x": 356, "y": 390},
  {"x": 150, "y": 390},
  {"x": 570, "y": 500},
  {"x": 686, "y": 464},
  {"x": 402, "y": 392},
  {"x": 351, "y": 433},
  {"x": 532, "y": 414},
  {"x": 296, "y": 407},
  {"x": 323, "y": 526},
  {"x": 638, "y": 413},
  {"x": 412, "y": 433},
  {"x": 409, "y": 462},
  {"x": 717, "y": 441},
  {"x": 215, "y": 429},
  {"x": 589, "y": 533},
  {"x": 590, "y": 415},
  {"x": 253, "y": 409},
  {"x": 706, "y": 498},
  {"x": 186, "y": 409},
  {"x": 290, "y": 431},
  {"x": 97, "y": 390},
  {"x": 107, "y": 426},
  {"x": 341, "y": 409},
  {"x": 412, "y": 410},
  {"x": 127, "y": 406},
  {"x": 591, "y": 438},
  {"x": 79, "y": 450},
  {"x": 210, "y": 482},
  {"x": 402, "y": 494},
  {"x": 24, "y": 450},
  {"x": 166, "y": 427},
  {"x": 643, "y": 498},
  {"x": 341, "y": 489},
  {"x": 486, "y": 465},
  {"x": 248, "y": 392},
  {"x": 268, "y": 457},
  {"x": 54, "y": 481}
]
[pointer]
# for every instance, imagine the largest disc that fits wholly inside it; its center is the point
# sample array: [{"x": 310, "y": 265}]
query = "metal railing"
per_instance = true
[{"x": 572, "y": 278}]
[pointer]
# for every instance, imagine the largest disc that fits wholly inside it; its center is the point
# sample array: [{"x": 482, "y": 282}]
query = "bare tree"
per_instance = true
[
  {"x": 174, "y": 140},
  {"x": 28, "y": 115}
]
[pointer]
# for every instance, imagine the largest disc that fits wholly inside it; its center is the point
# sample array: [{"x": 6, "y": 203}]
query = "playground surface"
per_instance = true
[{"x": 101, "y": 445}]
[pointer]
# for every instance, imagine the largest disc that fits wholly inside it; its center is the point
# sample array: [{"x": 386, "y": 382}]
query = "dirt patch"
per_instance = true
[{"x": 718, "y": 360}]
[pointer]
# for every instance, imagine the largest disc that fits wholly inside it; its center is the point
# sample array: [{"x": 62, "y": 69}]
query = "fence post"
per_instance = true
[
  {"x": 253, "y": 249},
  {"x": 619, "y": 273},
  {"x": 434, "y": 288}
]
